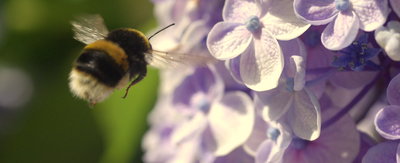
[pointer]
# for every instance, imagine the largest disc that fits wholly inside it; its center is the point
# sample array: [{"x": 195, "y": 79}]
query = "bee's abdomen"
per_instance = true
[{"x": 100, "y": 65}]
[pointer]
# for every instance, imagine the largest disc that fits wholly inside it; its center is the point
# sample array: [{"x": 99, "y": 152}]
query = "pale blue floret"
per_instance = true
[
  {"x": 253, "y": 24},
  {"x": 342, "y": 5},
  {"x": 273, "y": 133},
  {"x": 204, "y": 105}
]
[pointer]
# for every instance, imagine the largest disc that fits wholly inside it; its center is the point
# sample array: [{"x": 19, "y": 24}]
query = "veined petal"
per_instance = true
[
  {"x": 393, "y": 91},
  {"x": 371, "y": 13},
  {"x": 396, "y": 7},
  {"x": 231, "y": 121},
  {"x": 305, "y": 117},
  {"x": 316, "y": 12},
  {"x": 274, "y": 103},
  {"x": 239, "y": 11},
  {"x": 261, "y": 66},
  {"x": 282, "y": 22},
  {"x": 387, "y": 122},
  {"x": 228, "y": 40},
  {"x": 342, "y": 32}
]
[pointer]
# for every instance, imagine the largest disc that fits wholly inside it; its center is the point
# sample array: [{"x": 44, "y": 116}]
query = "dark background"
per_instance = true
[{"x": 53, "y": 126}]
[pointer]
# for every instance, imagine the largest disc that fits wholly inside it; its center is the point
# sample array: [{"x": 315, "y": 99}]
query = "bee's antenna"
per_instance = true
[{"x": 161, "y": 30}]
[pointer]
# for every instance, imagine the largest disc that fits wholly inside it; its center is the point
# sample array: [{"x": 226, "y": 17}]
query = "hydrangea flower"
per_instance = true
[
  {"x": 284, "y": 92},
  {"x": 251, "y": 29},
  {"x": 345, "y": 17},
  {"x": 389, "y": 39},
  {"x": 291, "y": 102}
]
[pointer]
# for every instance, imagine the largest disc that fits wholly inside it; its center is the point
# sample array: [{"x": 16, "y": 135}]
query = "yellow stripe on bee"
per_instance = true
[
  {"x": 145, "y": 40},
  {"x": 112, "y": 49}
]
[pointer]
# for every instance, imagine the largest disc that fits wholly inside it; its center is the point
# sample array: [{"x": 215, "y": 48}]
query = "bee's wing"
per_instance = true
[
  {"x": 165, "y": 60},
  {"x": 89, "y": 28}
]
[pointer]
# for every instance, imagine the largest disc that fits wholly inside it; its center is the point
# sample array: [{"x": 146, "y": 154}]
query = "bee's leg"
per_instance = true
[{"x": 141, "y": 75}]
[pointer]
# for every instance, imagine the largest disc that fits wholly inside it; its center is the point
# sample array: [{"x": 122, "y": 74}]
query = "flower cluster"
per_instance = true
[{"x": 305, "y": 81}]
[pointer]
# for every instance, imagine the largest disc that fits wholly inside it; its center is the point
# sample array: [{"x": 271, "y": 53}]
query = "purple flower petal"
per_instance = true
[
  {"x": 387, "y": 122},
  {"x": 305, "y": 117},
  {"x": 261, "y": 67},
  {"x": 258, "y": 135},
  {"x": 395, "y": 6},
  {"x": 228, "y": 40},
  {"x": 383, "y": 152},
  {"x": 342, "y": 32},
  {"x": 236, "y": 156},
  {"x": 231, "y": 121},
  {"x": 398, "y": 154},
  {"x": 281, "y": 21},
  {"x": 371, "y": 13},
  {"x": 338, "y": 143},
  {"x": 366, "y": 143},
  {"x": 316, "y": 12},
  {"x": 239, "y": 11},
  {"x": 274, "y": 102},
  {"x": 192, "y": 127},
  {"x": 393, "y": 91}
]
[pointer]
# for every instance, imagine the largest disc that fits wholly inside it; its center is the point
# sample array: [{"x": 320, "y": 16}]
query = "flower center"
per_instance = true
[
  {"x": 298, "y": 143},
  {"x": 342, "y": 5},
  {"x": 203, "y": 105},
  {"x": 273, "y": 133},
  {"x": 253, "y": 24}
]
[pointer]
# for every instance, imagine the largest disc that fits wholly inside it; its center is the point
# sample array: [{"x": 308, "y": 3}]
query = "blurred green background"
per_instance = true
[{"x": 36, "y": 37}]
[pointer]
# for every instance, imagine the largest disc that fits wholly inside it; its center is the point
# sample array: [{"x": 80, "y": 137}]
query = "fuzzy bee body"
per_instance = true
[{"x": 111, "y": 59}]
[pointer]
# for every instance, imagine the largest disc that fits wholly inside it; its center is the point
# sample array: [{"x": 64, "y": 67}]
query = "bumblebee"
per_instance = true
[{"x": 111, "y": 59}]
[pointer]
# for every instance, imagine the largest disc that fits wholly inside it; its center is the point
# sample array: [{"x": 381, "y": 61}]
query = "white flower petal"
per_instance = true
[
  {"x": 231, "y": 121},
  {"x": 190, "y": 128},
  {"x": 239, "y": 11},
  {"x": 262, "y": 64},
  {"x": 228, "y": 40},
  {"x": 281, "y": 21},
  {"x": 389, "y": 39},
  {"x": 371, "y": 13},
  {"x": 305, "y": 117},
  {"x": 340, "y": 33},
  {"x": 258, "y": 135},
  {"x": 274, "y": 103}
]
